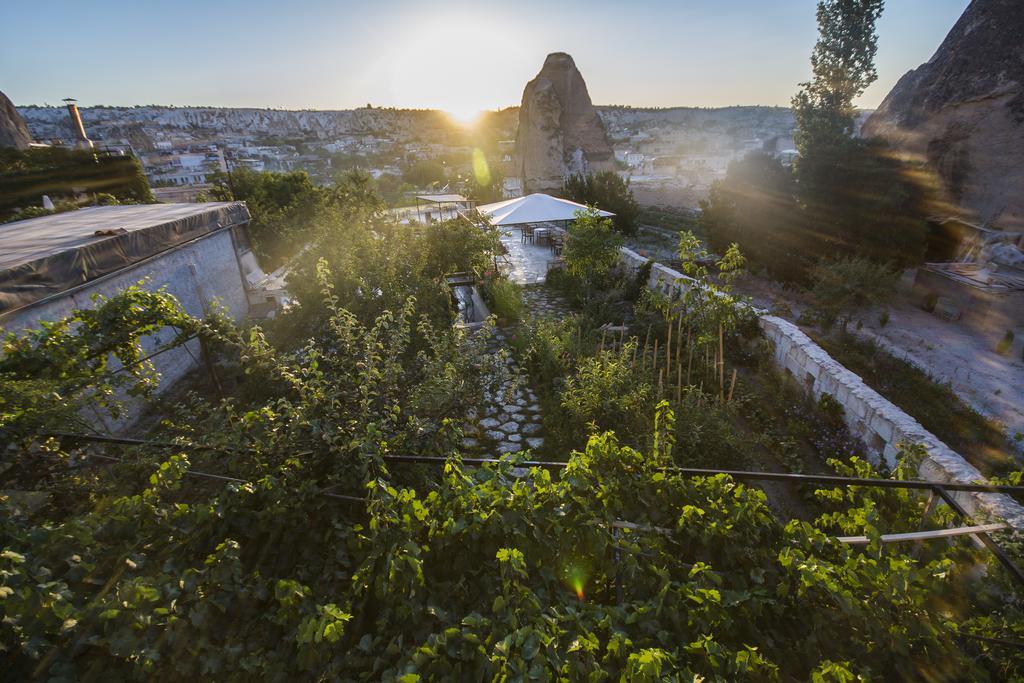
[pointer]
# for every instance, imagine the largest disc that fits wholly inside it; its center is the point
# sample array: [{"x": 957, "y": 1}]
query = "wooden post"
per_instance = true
[
  {"x": 732, "y": 384},
  {"x": 679, "y": 338},
  {"x": 668, "y": 350},
  {"x": 689, "y": 363},
  {"x": 721, "y": 363},
  {"x": 679, "y": 382},
  {"x": 654, "y": 356}
]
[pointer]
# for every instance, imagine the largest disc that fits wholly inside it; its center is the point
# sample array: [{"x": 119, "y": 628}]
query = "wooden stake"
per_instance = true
[
  {"x": 668, "y": 350},
  {"x": 661, "y": 383},
  {"x": 679, "y": 338},
  {"x": 689, "y": 363},
  {"x": 732, "y": 384},
  {"x": 721, "y": 363},
  {"x": 679, "y": 383},
  {"x": 654, "y": 356}
]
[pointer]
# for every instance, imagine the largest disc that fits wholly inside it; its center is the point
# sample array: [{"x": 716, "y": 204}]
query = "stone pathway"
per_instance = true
[
  {"x": 510, "y": 420},
  {"x": 544, "y": 303}
]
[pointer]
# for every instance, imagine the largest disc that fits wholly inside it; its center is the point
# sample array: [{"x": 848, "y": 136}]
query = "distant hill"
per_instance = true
[{"x": 143, "y": 126}]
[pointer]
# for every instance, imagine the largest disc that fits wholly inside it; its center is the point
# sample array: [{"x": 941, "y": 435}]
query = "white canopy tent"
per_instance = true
[{"x": 533, "y": 208}]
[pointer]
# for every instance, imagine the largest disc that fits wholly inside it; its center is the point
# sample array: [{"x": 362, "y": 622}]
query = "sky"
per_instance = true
[{"x": 453, "y": 55}]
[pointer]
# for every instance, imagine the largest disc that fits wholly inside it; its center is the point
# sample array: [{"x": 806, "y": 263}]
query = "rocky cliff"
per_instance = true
[
  {"x": 559, "y": 130},
  {"x": 962, "y": 114},
  {"x": 13, "y": 131}
]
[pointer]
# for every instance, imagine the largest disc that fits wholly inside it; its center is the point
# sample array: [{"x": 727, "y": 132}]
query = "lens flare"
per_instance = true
[
  {"x": 481, "y": 171},
  {"x": 576, "y": 577}
]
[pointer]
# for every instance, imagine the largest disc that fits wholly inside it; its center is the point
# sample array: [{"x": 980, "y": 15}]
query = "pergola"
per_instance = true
[
  {"x": 440, "y": 202},
  {"x": 533, "y": 208}
]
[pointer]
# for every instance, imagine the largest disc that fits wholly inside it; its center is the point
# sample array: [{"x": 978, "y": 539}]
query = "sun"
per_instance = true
[{"x": 465, "y": 116}]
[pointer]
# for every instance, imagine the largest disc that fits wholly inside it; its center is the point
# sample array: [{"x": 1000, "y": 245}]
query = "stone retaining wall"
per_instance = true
[{"x": 870, "y": 416}]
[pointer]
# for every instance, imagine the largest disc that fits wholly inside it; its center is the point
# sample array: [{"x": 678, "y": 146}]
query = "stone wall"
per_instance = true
[
  {"x": 877, "y": 421},
  {"x": 198, "y": 274}
]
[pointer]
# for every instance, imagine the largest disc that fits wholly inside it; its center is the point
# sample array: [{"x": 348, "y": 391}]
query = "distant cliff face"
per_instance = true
[
  {"x": 13, "y": 131},
  {"x": 559, "y": 130},
  {"x": 962, "y": 113}
]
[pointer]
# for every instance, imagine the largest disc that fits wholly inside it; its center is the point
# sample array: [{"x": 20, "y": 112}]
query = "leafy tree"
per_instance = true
[
  {"x": 848, "y": 196},
  {"x": 754, "y": 207},
  {"x": 607, "y": 191},
  {"x": 282, "y": 206},
  {"x": 591, "y": 249},
  {"x": 843, "y": 287},
  {"x": 485, "y": 182},
  {"x": 843, "y": 67},
  {"x": 425, "y": 173}
]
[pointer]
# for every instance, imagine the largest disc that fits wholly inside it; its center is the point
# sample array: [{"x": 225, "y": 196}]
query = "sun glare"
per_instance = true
[{"x": 464, "y": 116}]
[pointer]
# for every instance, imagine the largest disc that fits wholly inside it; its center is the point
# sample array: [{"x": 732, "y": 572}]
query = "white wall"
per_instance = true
[
  {"x": 197, "y": 274},
  {"x": 869, "y": 415}
]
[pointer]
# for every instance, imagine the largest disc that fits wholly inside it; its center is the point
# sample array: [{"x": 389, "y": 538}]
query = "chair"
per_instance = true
[{"x": 527, "y": 234}]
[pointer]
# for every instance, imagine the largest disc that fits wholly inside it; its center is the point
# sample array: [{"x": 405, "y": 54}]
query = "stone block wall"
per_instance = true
[{"x": 870, "y": 416}]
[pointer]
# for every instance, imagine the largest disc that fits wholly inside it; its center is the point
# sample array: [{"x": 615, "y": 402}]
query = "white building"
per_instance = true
[{"x": 198, "y": 252}]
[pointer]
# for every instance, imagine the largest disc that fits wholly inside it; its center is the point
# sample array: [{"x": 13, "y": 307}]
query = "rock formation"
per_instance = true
[
  {"x": 559, "y": 129},
  {"x": 962, "y": 114},
  {"x": 13, "y": 131}
]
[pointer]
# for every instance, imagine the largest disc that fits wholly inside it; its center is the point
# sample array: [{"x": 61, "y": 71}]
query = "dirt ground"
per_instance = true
[{"x": 990, "y": 383}]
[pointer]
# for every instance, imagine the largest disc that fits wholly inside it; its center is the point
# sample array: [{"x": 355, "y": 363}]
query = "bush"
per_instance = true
[
  {"x": 505, "y": 300},
  {"x": 608, "y": 392},
  {"x": 845, "y": 286}
]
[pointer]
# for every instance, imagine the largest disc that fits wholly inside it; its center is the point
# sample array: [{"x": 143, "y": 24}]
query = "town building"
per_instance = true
[{"x": 199, "y": 253}]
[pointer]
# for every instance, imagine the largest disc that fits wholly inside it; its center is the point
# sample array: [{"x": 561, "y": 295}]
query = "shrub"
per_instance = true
[
  {"x": 504, "y": 299},
  {"x": 845, "y": 286},
  {"x": 608, "y": 392}
]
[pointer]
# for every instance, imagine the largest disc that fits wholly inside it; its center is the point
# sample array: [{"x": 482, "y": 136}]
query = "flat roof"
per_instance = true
[
  {"x": 35, "y": 238},
  {"x": 442, "y": 198},
  {"x": 46, "y": 256}
]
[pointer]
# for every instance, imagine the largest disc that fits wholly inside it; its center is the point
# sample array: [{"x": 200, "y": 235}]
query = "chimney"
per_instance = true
[{"x": 81, "y": 141}]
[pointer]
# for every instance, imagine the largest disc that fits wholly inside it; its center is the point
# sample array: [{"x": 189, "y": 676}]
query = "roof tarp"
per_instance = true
[
  {"x": 533, "y": 208},
  {"x": 40, "y": 257}
]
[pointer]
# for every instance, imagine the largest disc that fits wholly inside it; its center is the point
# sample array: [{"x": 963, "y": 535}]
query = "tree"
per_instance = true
[
  {"x": 846, "y": 196},
  {"x": 843, "y": 67},
  {"x": 591, "y": 249},
  {"x": 845, "y": 286},
  {"x": 607, "y": 191},
  {"x": 425, "y": 173},
  {"x": 485, "y": 183},
  {"x": 754, "y": 207},
  {"x": 282, "y": 206}
]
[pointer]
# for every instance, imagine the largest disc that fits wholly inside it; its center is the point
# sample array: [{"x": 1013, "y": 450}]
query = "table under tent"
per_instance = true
[{"x": 540, "y": 218}]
